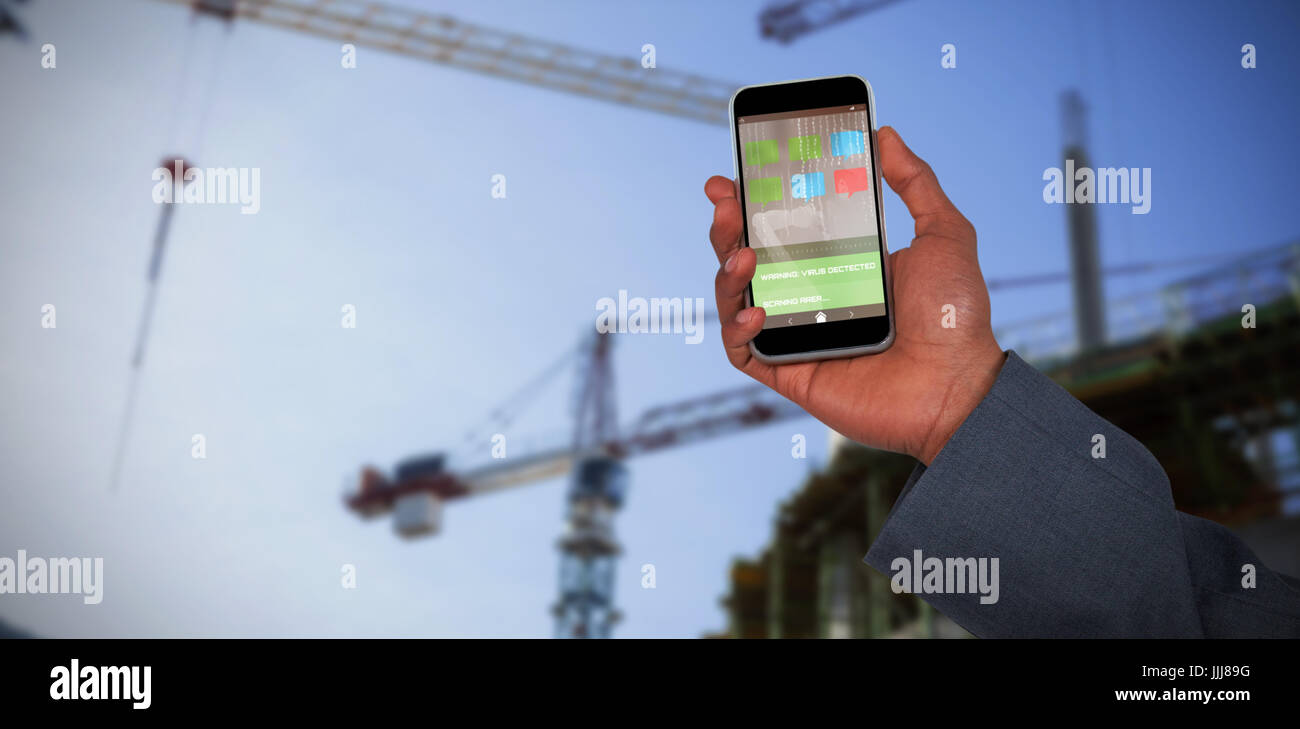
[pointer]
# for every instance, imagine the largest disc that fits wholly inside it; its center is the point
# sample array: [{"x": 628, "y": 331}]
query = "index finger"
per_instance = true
[{"x": 719, "y": 188}]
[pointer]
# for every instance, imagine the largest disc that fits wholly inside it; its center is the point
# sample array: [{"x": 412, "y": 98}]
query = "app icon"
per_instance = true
[
  {"x": 851, "y": 180},
  {"x": 802, "y": 148},
  {"x": 806, "y": 185},
  {"x": 844, "y": 144},
  {"x": 762, "y": 152},
  {"x": 764, "y": 190}
]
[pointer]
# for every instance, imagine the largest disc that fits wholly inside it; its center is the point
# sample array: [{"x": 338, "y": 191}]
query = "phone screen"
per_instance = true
[{"x": 810, "y": 206}]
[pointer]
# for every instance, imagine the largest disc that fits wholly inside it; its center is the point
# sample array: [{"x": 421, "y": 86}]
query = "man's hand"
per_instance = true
[{"x": 912, "y": 397}]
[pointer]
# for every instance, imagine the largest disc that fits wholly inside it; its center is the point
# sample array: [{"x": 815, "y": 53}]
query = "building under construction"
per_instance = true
[{"x": 1213, "y": 398}]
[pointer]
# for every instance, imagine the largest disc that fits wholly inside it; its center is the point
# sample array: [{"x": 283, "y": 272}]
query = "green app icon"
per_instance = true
[
  {"x": 762, "y": 152},
  {"x": 802, "y": 148},
  {"x": 765, "y": 190}
]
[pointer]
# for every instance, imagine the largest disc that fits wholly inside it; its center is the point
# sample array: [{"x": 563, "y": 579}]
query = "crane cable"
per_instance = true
[
  {"x": 154, "y": 271},
  {"x": 512, "y": 407}
]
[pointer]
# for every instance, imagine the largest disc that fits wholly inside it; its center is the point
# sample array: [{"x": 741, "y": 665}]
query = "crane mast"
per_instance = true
[{"x": 588, "y": 547}]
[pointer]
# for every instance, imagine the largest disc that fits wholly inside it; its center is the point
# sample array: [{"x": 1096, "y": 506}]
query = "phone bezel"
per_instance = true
[{"x": 848, "y": 338}]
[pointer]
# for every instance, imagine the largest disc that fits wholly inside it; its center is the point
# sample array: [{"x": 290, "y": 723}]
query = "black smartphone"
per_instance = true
[{"x": 808, "y": 177}]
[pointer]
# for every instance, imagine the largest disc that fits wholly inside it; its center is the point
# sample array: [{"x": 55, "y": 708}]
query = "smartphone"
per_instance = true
[{"x": 809, "y": 183}]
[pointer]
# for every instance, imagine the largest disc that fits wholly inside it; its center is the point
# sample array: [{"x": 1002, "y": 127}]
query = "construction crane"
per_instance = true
[
  {"x": 593, "y": 458},
  {"x": 787, "y": 20}
]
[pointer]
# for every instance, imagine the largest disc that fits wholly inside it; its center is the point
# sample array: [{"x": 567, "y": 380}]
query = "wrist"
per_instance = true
[{"x": 965, "y": 391}]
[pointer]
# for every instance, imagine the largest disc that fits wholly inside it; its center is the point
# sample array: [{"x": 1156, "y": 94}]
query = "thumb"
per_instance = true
[{"x": 914, "y": 181}]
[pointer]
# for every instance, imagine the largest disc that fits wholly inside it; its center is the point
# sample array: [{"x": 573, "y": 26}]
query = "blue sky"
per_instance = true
[{"x": 375, "y": 192}]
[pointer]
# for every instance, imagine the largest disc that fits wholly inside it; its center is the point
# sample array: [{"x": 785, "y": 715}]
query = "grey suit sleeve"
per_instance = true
[{"x": 1085, "y": 547}]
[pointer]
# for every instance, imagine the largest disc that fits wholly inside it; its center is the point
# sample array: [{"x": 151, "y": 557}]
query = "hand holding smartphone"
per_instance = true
[
  {"x": 807, "y": 291},
  {"x": 809, "y": 184}
]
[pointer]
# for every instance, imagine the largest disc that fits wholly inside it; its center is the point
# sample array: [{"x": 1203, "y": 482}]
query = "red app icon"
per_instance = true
[{"x": 851, "y": 180}]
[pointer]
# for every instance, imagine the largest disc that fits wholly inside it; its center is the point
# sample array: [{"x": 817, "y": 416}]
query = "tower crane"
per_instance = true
[{"x": 593, "y": 459}]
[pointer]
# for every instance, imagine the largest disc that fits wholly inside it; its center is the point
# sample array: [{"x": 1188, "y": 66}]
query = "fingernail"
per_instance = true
[
  {"x": 744, "y": 316},
  {"x": 730, "y": 265}
]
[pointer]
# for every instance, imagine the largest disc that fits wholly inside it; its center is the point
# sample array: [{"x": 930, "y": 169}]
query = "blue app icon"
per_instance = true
[
  {"x": 807, "y": 184},
  {"x": 844, "y": 144}
]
